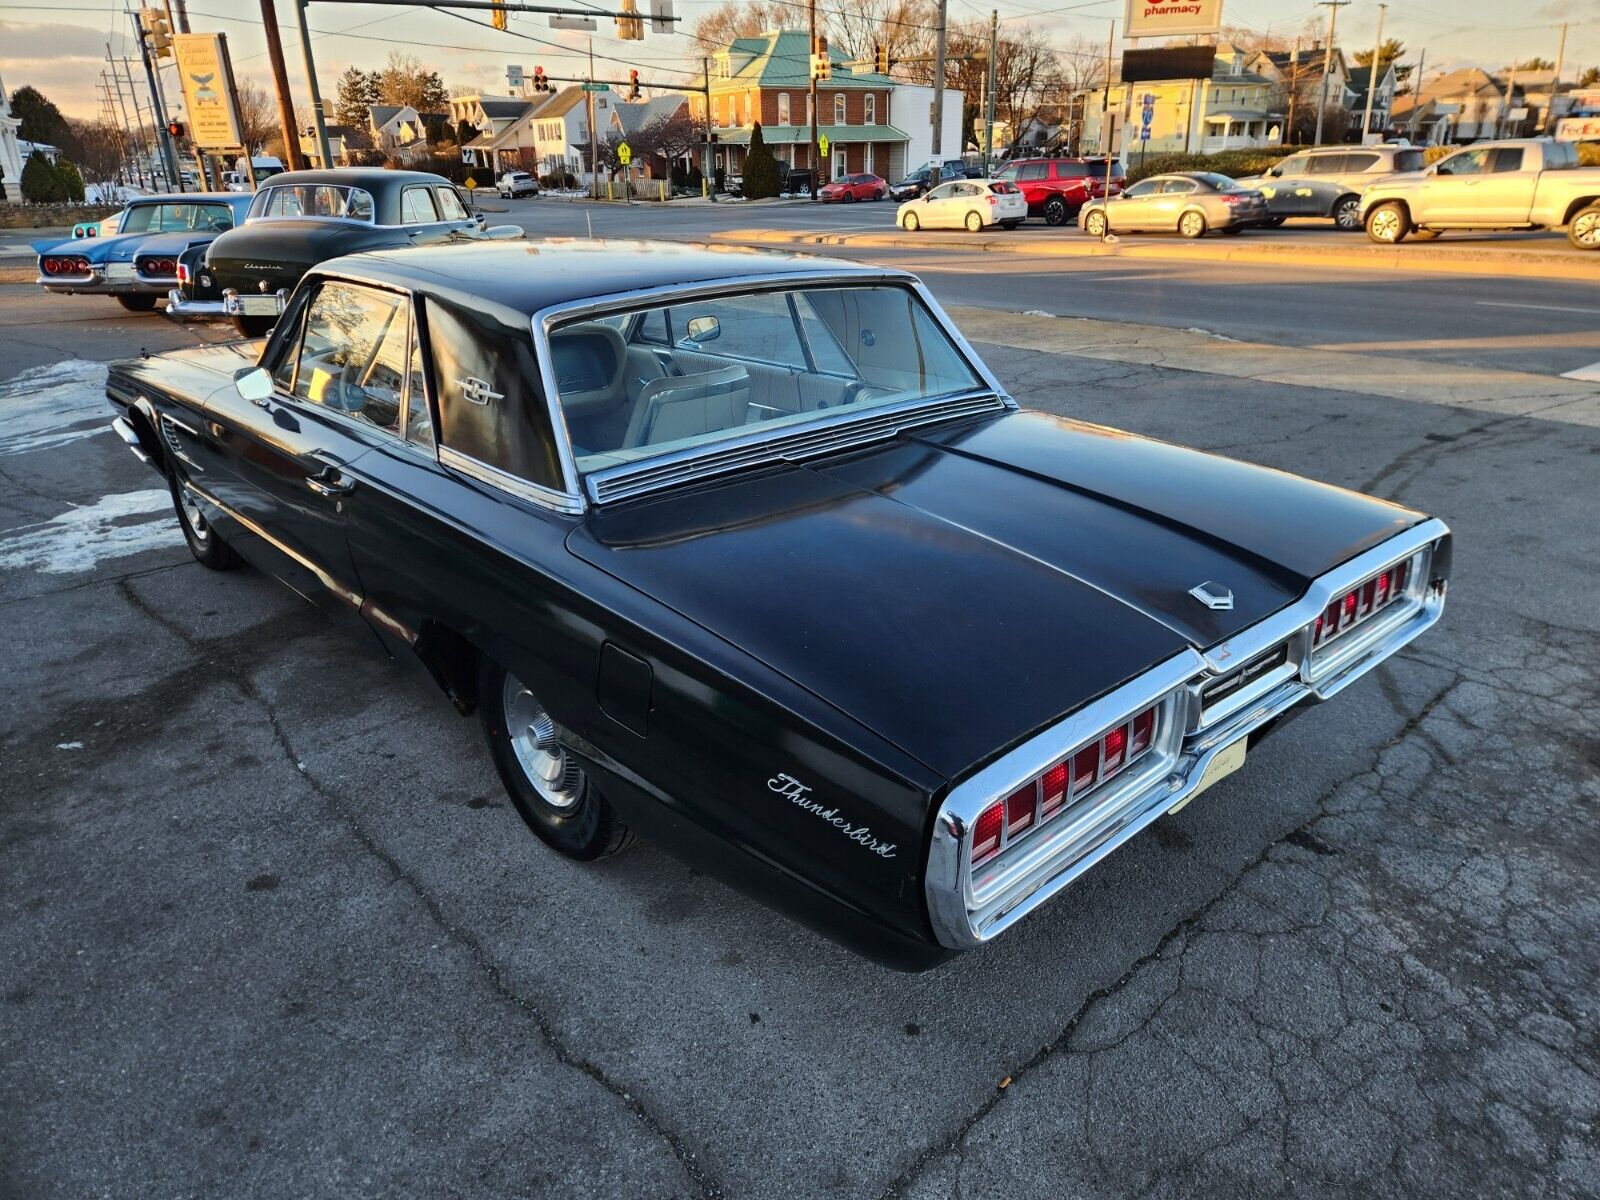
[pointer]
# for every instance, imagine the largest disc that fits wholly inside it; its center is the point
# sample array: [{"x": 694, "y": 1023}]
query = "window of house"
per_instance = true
[
  {"x": 870, "y": 117},
  {"x": 838, "y": 110},
  {"x": 783, "y": 108}
]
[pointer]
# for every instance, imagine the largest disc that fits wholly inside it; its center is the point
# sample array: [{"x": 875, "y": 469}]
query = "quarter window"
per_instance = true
[
  {"x": 353, "y": 354},
  {"x": 416, "y": 206}
]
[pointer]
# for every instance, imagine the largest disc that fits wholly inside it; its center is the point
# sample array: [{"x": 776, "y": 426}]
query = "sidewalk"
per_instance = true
[{"x": 1434, "y": 257}]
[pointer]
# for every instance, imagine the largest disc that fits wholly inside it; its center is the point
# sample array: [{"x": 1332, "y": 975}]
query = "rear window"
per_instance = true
[
  {"x": 1004, "y": 187},
  {"x": 1558, "y": 156},
  {"x": 1221, "y": 182},
  {"x": 1409, "y": 160}
]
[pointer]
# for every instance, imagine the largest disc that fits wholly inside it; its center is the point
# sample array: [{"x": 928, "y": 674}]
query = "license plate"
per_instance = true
[
  {"x": 259, "y": 306},
  {"x": 118, "y": 272},
  {"x": 1227, "y": 760}
]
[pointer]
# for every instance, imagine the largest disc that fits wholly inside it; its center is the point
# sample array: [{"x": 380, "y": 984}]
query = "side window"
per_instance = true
[
  {"x": 943, "y": 192},
  {"x": 1358, "y": 162},
  {"x": 1325, "y": 164},
  {"x": 1409, "y": 160},
  {"x": 450, "y": 206},
  {"x": 1507, "y": 158},
  {"x": 353, "y": 353},
  {"x": 1470, "y": 162},
  {"x": 416, "y": 206},
  {"x": 653, "y": 328},
  {"x": 1145, "y": 187},
  {"x": 419, "y": 421},
  {"x": 1179, "y": 187},
  {"x": 1294, "y": 166},
  {"x": 1034, "y": 171}
]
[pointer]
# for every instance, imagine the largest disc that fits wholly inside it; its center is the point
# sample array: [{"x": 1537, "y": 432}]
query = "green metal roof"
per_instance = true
[
  {"x": 789, "y": 135},
  {"x": 782, "y": 58}
]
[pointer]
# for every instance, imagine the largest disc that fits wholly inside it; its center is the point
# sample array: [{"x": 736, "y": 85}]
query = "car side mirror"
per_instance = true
[
  {"x": 1275, "y": 172},
  {"x": 704, "y": 329},
  {"x": 253, "y": 383}
]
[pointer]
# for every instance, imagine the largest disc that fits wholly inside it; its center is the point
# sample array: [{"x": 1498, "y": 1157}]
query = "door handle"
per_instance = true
[{"x": 330, "y": 482}]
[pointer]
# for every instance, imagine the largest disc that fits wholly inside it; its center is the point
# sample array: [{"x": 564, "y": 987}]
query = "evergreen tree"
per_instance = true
[
  {"x": 41, "y": 120},
  {"x": 355, "y": 94},
  {"x": 761, "y": 178},
  {"x": 71, "y": 181},
  {"x": 40, "y": 183}
]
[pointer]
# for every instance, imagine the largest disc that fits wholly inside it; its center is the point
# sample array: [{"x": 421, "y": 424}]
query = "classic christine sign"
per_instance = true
[
  {"x": 1172, "y": 18},
  {"x": 208, "y": 93}
]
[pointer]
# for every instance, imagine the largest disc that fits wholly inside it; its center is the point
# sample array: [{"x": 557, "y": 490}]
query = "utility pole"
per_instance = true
[
  {"x": 280, "y": 81},
  {"x": 311, "y": 81},
  {"x": 988, "y": 115},
  {"x": 938, "y": 92},
  {"x": 1372, "y": 75},
  {"x": 1555, "y": 82},
  {"x": 146, "y": 151},
  {"x": 1506, "y": 102},
  {"x": 1105, "y": 123},
  {"x": 134, "y": 127},
  {"x": 169, "y": 156},
  {"x": 594, "y": 134},
  {"x": 811, "y": 101},
  {"x": 708, "y": 155},
  {"x": 1416, "y": 95},
  {"x": 1333, "y": 7}
]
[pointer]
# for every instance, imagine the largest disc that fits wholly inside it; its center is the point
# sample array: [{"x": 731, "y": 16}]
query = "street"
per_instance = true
[{"x": 272, "y": 929}]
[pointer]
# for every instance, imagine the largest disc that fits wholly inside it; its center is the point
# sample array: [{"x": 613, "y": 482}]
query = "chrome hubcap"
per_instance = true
[
  {"x": 1385, "y": 225},
  {"x": 192, "y": 516},
  {"x": 1586, "y": 229},
  {"x": 1348, "y": 214},
  {"x": 1097, "y": 225},
  {"x": 548, "y": 767},
  {"x": 1191, "y": 224}
]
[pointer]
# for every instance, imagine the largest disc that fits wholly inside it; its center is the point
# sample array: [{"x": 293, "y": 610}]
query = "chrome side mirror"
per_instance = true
[{"x": 254, "y": 384}]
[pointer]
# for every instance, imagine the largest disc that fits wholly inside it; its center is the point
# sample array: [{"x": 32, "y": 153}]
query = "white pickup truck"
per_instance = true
[{"x": 1528, "y": 183}]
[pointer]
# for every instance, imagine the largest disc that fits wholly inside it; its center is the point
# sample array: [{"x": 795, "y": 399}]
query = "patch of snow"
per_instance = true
[
  {"x": 1037, "y": 312},
  {"x": 53, "y": 405},
  {"x": 80, "y": 538},
  {"x": 69, "y": 745},
  {"x": 1219, "y": 337}
]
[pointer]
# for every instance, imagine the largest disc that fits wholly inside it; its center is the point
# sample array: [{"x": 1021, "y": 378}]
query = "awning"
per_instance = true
[{"x": 1240, "y": 114}]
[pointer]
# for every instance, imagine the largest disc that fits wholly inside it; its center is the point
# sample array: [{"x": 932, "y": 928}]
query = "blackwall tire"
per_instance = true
[
  {"x": 1055, "y": 211},
  {"x": 548, "y": 787},
  {"x": 205, "y": 543}
]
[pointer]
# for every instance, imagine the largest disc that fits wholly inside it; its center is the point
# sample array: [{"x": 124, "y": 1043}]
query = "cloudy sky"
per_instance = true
[{"x": 59, "y": 46}]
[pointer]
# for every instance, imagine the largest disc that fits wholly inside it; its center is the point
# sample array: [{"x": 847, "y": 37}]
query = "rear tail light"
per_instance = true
[
  {"x": 1054, "y": 790},
  {"x": 1359, "y": 603},
  {"x": 63, "y": 264},
  {"x": 993, "y": 199},
  {"x": 183, "y": 272}
]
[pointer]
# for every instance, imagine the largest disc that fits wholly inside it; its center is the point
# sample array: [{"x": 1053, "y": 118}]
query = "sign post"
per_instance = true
[
  {"x": 822, "y": 154},
  {"x": 625, "y": 156}
]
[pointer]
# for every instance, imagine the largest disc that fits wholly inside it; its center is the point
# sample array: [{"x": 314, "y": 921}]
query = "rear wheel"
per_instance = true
[
  {"x": 974, "y": 223},
  {"x": 137, "y": 303},
  {"x": 549, "y": 788},
  {"x": 1388, "y": 224},
  {"x": 1055, "y": 211},
  {"x": 254, "y": 327},
  {"x": 1095, "y": 224},
  {"x": 1347, "y": 213},
  {"x": 1192, "y": 224},
  {"x": 205, "y": 543},
  {"x": 911, "y": 223},
  {"x": 1583, "y": 231}
]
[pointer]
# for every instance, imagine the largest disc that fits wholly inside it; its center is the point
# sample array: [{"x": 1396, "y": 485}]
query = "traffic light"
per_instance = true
[
  {"x": 880, "y": 58},
  {"x": 630, "y": 28},
  {"x": 175, "y": 129},
  {"x": 633, "y": 85},
  {"x": 540, "y": 83},
  {"x": 821, "y": 64},
  {"x": 497, "y": 16},
  {"x": 157, "y": 33}
]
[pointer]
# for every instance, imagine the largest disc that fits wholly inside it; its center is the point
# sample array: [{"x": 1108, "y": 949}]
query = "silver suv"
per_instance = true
[{"x": 1328, "y": 183}]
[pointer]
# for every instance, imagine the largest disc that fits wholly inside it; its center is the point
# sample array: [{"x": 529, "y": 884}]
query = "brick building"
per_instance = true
[{"x": 767, "y": 79}]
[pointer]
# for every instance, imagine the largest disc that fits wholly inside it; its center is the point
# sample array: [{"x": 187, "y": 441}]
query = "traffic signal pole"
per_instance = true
[{"x": 169, "y": 156}]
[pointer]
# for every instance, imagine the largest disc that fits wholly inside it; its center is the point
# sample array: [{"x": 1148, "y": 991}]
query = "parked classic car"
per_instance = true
[
  {"x": 137, "y": 263},
  {"x": 1192, "y": 203},
  {"x": 1329, "y": 183},
  {"x": 298, "y": 218},
  {"x": 1056, "y": 188},
  {"x": 1528, "y": 183},
  {"x": 752, "y": 555}
]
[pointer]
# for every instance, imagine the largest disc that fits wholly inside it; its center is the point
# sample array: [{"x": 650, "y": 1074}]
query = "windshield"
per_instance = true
[
  {"x": 689, "y": 374},
  {"x": 176, "y": 218},
  {"x": 313, "y": 200}
]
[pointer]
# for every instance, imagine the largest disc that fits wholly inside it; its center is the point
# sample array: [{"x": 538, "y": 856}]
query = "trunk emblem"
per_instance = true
[
  {"x": 477, "y": 391},
  {"x": 1213, "y": 595}
]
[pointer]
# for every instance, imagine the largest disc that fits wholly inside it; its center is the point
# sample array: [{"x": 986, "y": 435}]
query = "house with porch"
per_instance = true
[
  {"x": 1233, "y": 110},
  {"x": 1382, "y": 101},
  {"x": 490, "y": 116},
  {"x": 767, "y": 79}
]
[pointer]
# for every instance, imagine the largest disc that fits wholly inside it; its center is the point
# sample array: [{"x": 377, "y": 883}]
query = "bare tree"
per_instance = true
[
  {"x": 99, "y": 150},
  {"x": 714, "y": 29},
  {"x": 258, "y": 117},
  {"x": 676, "y": 137}
]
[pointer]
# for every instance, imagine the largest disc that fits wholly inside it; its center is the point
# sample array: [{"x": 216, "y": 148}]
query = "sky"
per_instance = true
[{"x": 59, "y": 46}]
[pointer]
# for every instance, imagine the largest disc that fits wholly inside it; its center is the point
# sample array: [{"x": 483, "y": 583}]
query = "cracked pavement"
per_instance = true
[{"x": 269, "y": 927}]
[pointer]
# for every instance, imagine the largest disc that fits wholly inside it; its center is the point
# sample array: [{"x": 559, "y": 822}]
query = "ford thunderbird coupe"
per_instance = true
[
  {"x": 299, "y": 218},
  {"x": 752, "y": 556},
  {"x": 138, "y": 263}
]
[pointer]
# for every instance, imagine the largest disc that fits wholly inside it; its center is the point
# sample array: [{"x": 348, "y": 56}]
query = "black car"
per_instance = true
[
  {"x": 751, "y": 555},
  {"x": 300, "y": 218}
]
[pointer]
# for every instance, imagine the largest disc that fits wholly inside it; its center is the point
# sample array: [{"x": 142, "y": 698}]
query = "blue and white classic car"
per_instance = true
[{"x": 138, "y": 263}]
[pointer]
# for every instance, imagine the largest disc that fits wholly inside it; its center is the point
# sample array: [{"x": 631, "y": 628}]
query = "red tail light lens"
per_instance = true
[
  {"x": 1359, "y": 603},
  {"x": 1019, "y": 810},
  {"x": 183, "y": 273},
  {"x": 1054, "y": 788},
  {"x": 1116, "y": 744},
  {"x": 986, "y": 832}
]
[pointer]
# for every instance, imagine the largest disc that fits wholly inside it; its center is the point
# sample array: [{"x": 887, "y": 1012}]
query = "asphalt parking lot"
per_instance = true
[{"x": 269, "y": 928}]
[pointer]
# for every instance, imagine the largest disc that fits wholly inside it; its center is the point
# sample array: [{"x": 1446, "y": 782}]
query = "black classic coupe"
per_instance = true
[
  {"x": 751, "y": 554},
  {"x": 299, "y": 218}
]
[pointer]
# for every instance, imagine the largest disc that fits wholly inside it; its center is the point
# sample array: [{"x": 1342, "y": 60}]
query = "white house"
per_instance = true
[
  {"x": 1382, "y": 99},
  {"x": 491, "y": 116},
  {"x": 911, "y": 110},
  {"x": 10, "y": 150}
]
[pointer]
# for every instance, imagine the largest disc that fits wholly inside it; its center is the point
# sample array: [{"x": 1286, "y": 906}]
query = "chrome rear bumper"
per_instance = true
[
  {"x": 237, "y": 305},
  {"x": 192, "y": 310}
]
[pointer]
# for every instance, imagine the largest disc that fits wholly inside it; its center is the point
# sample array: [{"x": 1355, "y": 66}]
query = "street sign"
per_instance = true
[
  {"x": 585, "y": 24},
  {"x": 624, "y": 153},
  {"x": 822, "y": 145},
  {"x": 514, "y": 77},
  {"x": 471, "y": 183},
  {"x": 597, "y": 87}
]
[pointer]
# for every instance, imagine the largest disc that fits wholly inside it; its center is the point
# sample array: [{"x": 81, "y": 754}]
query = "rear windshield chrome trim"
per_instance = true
[
  {"x": 505, "y": 481},
  {"x": 609, "y": 486}
]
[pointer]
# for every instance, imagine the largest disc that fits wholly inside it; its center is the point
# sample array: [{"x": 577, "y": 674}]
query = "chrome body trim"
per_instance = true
[
  {"x": 271, "y": 304},
  {"x": 123, "y": 430},
  {"x": 607, "y": 485},
  {"x": 968, "y": 906},
  {"x": 335, "y": 588},
  {"x": 505, "y": 481}
]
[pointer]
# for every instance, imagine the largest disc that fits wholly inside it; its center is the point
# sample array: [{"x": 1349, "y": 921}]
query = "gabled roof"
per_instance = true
[
  {"x": 634, "y": 116},
  {"x": 559, "y": 104},
  {"x": 782, "y": 58},
  {"x": 502, "y": 108},
  {"x": 1461, "y": 80},
  {"x": 382, "y": 114}
]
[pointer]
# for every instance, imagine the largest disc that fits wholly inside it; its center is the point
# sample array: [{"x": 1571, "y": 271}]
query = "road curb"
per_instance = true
[{"x": 1527, "y": 264}]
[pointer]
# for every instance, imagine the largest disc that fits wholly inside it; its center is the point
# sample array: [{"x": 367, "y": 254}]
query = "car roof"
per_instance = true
[
  {"x": 532, "y": 275},
  {"x": 362, "y": 177},
  {"x": 180, "y": 197}
]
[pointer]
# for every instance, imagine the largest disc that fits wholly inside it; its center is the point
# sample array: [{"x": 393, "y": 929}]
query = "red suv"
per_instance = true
[{"x": 1057, "y": 188}]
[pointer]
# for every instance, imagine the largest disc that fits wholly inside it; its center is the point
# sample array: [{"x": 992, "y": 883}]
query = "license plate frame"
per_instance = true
[{"x": 117, "y": 272}]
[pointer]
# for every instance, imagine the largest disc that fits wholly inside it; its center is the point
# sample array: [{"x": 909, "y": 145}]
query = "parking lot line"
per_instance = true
[
  {"x": 1564, "y": 308},
  {"x": 1589, "y": 374}
]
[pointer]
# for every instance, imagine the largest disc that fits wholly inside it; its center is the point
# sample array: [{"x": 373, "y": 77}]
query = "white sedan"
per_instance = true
[{"x": 970, "y": 204}]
